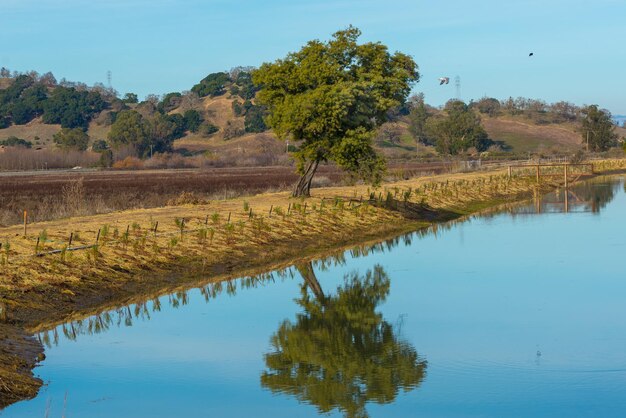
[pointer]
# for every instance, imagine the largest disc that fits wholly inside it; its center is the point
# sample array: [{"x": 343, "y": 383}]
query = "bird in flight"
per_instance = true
[
  {"x": 444, "y": 80},
  {"x": 531, "y": 54}
]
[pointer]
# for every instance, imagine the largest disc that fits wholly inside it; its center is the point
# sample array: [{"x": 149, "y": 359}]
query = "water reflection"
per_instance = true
[
  {"x": 141, "y": 311},
  {"x": 340, "y": 353},
  {"x": 591, "y": 197}
]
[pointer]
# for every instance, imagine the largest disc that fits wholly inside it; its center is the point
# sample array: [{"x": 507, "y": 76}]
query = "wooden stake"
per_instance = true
[
  {"x": 565, "y": 172},
  {"x": 228, "y": 218},
  {"x": 271, "y": 207},
  {"x": 71, "y": 238},
  {"x": 25, "y": 222},
  {"x": 156, "y": 226},
  {"x": 537, "y": 167},
  {"x": 98, "y": 237}
]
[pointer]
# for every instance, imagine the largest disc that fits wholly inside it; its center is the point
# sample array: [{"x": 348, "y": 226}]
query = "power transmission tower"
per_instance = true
[
  {"x": 109, "y": 75},
  {"x": 457, "y": 84}
]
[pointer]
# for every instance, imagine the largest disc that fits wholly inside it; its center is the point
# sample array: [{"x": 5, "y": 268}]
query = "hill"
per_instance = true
[
  {"x": 229, "y": 129},
  {"x": 524, "y": 136}
]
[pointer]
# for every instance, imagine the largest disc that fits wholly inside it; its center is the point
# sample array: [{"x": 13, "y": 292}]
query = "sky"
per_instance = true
[{"x": 160, "y": 46}]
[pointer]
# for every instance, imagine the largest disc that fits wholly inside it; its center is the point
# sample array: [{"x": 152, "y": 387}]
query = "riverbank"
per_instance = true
[{"x": 156, "y": 250}]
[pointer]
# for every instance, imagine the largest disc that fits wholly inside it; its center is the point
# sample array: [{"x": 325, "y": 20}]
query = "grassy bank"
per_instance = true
[{"x": 115, "y": 257}]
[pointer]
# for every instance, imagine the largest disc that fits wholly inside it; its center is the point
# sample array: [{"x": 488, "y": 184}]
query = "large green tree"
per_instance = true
[
  {"x": 130, "y": 128},
  {"x": 340, "y": 353},
  {"x": 418, "y": 116},
  {"x": 458, "y": 131},
  {"x": 332, "y": 96},
  {"x": 598, "y": 130}
]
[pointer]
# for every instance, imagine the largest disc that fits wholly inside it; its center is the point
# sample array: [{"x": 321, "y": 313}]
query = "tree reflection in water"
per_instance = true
[
  {"x": 143, "y": 306},
  {"x": 340, "y": 353}
]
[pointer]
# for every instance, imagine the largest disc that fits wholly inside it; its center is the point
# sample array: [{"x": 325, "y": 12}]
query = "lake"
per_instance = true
[{"x": 517, "y": 313}]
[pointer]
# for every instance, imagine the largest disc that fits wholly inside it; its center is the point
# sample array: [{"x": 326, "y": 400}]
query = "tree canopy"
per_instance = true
[
  {"x": 332, "y": 96},
  {"x": 459, "y": 130},
  {"x": 212, "y": 85},
  {"x": 340, "y": 353},
  {"x": 72, "y": 108},
  {"x": 598, "y": 130},
  {"x": 129, "y": 128},
  {"x": 71, "y": 139},
  {"x": 418, "y": 117}
]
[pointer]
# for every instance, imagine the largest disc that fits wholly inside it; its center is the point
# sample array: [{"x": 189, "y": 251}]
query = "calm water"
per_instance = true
[{"x": 516, "y": 314}]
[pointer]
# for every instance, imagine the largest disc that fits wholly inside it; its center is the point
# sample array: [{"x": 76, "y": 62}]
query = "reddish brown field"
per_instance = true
[{"x": 51, "y": 195}]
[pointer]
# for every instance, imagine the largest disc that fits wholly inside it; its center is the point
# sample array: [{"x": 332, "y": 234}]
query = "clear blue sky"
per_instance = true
[{"x": 158, "y": 46}]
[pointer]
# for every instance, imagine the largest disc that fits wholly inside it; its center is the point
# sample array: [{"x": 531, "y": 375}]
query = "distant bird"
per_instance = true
[
  {"x": 444, "y": 80},
  {"x": 531, "y": 54}
]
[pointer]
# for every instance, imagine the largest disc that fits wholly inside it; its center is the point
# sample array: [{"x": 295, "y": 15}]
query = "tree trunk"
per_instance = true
[
  {"x": 308, "y": 274},
  {"x": 303, "y": 188}
]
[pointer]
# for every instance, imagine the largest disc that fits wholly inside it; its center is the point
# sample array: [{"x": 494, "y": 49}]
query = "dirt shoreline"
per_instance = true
[{"x": 41, "y": 307}]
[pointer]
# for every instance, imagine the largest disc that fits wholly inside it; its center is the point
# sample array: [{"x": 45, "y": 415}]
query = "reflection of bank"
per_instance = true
[{"x": 340, "y": 353}]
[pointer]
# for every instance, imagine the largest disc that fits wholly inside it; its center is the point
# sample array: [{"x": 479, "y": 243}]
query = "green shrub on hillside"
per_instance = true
[
  {"x": 170, "y": 102},
  {"x": 130, "y": 98},
  {"x": 193, "y": 120},
  {"x": 207, "y": 128},
  {"x": 212, "y": 85},
  {"x": 71, "y": 139},
  {"x": 254, "y": 120},
  {"x": 14, "y": 141}
]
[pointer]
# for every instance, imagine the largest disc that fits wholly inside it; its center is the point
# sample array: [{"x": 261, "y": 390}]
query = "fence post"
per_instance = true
[
  {"x": 25, "y": 221},
  {"x": 537, "y": 167},
  {"x": 565, "y": 172},
  {"x": 71, "y": 238},
  {"x": 98, "y": 237},
  {"x": 510, "y": 171}
]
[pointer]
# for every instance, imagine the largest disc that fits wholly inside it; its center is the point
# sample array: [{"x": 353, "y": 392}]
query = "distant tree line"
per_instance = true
[
  {"x": 27, "y": 98},
  {"x": 539, "y": 111}
]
